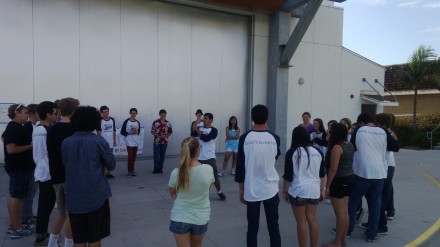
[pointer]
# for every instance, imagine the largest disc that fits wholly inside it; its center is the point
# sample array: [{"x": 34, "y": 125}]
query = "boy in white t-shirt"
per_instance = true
[{"x": 107, "y": 129}]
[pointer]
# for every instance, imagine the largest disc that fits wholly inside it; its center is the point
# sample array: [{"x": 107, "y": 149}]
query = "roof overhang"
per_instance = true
[
  {"x": 420, "y": 91},
  {"x": 261, "y": 6},
  {"x": 378, "y": 100}
]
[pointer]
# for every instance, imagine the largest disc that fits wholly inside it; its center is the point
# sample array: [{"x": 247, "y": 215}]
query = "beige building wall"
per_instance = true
[{"x": 426, "y": 103}]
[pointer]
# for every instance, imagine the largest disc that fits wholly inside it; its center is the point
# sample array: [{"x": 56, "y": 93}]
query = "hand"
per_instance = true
[
  {"x": 105, "y": 171},
  {"x": 286, "y": 197},
  {"x": 242, "y": 198},
  {"x": 327, "y": 193}
]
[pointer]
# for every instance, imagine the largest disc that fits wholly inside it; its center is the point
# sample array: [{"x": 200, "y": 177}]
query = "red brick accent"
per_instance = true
[{"x": 393, "y": 81}]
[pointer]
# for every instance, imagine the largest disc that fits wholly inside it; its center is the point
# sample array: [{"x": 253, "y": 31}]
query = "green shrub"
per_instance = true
[{"x": 418, "y": 139}]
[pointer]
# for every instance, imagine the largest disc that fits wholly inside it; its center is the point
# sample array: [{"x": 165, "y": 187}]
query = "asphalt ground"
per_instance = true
[{"x": 140, "y": 209}]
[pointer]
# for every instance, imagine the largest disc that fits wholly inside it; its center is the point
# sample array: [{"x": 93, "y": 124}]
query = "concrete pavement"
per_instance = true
[{"x": 141, "y": 207}]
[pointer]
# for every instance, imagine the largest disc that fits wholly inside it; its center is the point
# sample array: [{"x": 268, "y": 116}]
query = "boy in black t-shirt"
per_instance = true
[{"x": 19, "y": 166}]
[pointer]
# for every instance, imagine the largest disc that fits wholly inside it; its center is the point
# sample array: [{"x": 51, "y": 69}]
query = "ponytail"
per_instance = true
[{"x": 187, "y": 153}]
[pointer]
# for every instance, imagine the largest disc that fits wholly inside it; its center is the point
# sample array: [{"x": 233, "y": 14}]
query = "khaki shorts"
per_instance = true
[{"x": 61, "y": 199}]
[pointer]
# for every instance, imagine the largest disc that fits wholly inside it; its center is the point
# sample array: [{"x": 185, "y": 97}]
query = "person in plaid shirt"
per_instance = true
[{"x": 161, "y": 129}]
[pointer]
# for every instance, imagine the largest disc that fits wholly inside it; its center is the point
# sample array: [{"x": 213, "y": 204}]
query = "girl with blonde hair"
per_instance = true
[{"x": 189, "y": 185}]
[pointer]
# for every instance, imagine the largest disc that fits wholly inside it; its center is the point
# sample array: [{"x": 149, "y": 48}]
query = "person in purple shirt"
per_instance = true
[{"x": 306, "y": 122}]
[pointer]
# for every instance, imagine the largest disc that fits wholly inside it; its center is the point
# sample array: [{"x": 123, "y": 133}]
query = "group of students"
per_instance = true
[
  {"x": 344, "y": 163},
  {"x": 38, "y": 154},
  {"x": 65, "y": 150},
  {"x": 69, "y": 161}
]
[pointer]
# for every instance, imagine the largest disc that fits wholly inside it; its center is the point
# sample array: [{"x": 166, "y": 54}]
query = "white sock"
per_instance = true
[
  {"x": 68, "y": 242},
  {"x": 53, "y": 239}
]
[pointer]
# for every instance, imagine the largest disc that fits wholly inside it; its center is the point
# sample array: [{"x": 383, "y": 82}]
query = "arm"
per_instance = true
[
  {"x": 353, "y": 137},
  {"x": 39, "y": 151},
  {"x": 237, "y": 134},
  {"x": 12, "y": 148},
  {"x": 139, "y": 128},
  {"x": 323, "y": 141},
  {"x": 211, "y": 136},
  {"x": 172, "y": 191},
  {"x": 288, "y": 174},
  {"x": 107, "y": 156},
  {"x": 336, "y": 153},
  {"x": 241, "y": 193},
  {"x": 392, "y": 143},
  {"x": 153, "y": 130},
  {"x": 170, "y": 130},
  {"x": 240, "y": 168},
  {"x": 286, "y": 185},
  {"x": 124, "y": 128},
  {"x": 114, "y": 133}
]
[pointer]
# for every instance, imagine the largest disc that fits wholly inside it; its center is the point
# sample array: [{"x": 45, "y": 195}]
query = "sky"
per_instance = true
[{"x": 389, "y": 31}]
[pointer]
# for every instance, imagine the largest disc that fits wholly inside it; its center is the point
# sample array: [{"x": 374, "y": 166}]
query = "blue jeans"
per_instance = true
[
  {"x": 253, "y": 217},
  {"x": 27, "y": 211},
  {"x": 390, "y": 205},
  {"x": 372, "y": 189},
  {"x": 159, "y": 151},
  {"x": 386, "y": 196}
]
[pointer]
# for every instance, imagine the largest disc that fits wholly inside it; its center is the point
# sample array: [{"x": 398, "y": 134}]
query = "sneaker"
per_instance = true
[
  {"x": 26, "y": 227},
  {"x": 233, "y": 172},
  {"x": 334, "y": 232},
  {"x": 221, "y": 174},
  {"x": 222, "y": 196},
  {"x": 382, "y": 231},
  {"x": 360, "y": 216},
  {"x": 370, "y": 240},
  {"x": 155, "y": 171},
  {"x": 390, "y": 215},
  {"x": 110, "y": 176},
  {"x": 41, "y": 243},
  {"x": 21, "y": 233},
  {"x": 129, "y": 175},
  {"x": 133, "y": 174}
]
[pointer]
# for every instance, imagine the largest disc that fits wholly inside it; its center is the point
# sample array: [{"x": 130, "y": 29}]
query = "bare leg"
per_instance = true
[
  {"x": 340, "y": 207},
  {"x": 14, "y": 209},
  {"x": 217, "y": 184},
  {"x": 68, "y": 229},
  {"x": 234, "y": 160},
  {"x": 182, "y": 240},
  {"x": 196, "y": 241},
  {"x": 301, "y": 224},
  {"x": 226, "y": 160},
  {"x": 313, "y": 224},
  {"x": 95, "y": 244}
]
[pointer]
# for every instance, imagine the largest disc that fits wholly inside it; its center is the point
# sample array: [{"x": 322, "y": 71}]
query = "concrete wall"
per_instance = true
[{"x": 331, "y": 73}]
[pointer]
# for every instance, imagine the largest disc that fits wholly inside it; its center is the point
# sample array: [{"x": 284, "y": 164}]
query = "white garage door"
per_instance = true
[{"x": 144, "y": 54}]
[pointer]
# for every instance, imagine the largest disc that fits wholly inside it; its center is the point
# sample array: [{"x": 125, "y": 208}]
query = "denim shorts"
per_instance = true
[
  {"x": 298, "y": 201},
  {"x": 19, "y": 183},
  {"x": 183, "y": 228}
]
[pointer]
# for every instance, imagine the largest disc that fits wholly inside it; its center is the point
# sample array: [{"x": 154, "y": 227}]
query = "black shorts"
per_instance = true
[
  {"x": 19, "y": 183},
  {"x": 213, "y": 163},
  {"x": 341, "y": 186},
  {"x": 91, "y": 227}
]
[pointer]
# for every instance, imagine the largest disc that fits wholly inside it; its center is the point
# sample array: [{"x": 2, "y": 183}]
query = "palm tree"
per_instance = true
[{"x": 422, "y": 68}]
